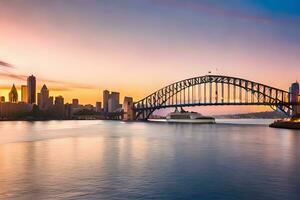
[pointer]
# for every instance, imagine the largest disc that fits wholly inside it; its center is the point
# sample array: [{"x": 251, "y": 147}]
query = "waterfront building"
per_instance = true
[
  {"x": 98, "y": 106},
  {"x": 9, "y": 110},
  {"x": 294, "y": 90},
  {"x": 13, "y": 94},
  {"x": 59, "y": 100},
  {"x": 114, "y": 102},
  {"x": 80, "y": 108},
  {"x": 2, "y": 99},
  {"x": 88, "y": 107},
  {"x": 127, "y": 108},
  {"x": 39, "y": 99},
  {"x": 31, "y": 89},
  {"x": 68, "y": 111},
  {"x": 43, "y": 98},
  {"x": 298, "y": 107},
  {"x": 111, "y": 101},
  {"x": 59, "y": 107},
  {"x": 110, "y": 105},
  {"x": 24, "y": 93},
  {"x": 51, "y": 101},
  {"x": 105, "y": 100},
  {"x": 75, "y": 102}
]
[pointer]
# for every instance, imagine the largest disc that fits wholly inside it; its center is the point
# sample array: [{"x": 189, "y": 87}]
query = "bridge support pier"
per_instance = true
[{"x": 129, "y": 113}]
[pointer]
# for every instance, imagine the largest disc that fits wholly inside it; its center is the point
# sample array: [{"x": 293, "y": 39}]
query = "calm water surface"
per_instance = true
[{"x": 117, "y": 160}]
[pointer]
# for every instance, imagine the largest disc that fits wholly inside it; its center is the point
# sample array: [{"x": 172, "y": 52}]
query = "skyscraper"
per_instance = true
[
  {"x": 294, "y": 90},
  {"x": 13, "y": 94},
  {"x": 113, "y": 101},
  {"x": 44, "y": 98},
  {"x": 59, "y": 100},
  {"x": 105, "y": 100},
  {"x": 59, "y": 107},
  {"x": 24, "y": 93},
  {"x": 31, "y": 88}
]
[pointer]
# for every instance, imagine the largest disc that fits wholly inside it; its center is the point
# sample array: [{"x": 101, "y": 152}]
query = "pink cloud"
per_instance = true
[
  {"x": 62, "y": 84},
  {"x": 5, "y": 64}
]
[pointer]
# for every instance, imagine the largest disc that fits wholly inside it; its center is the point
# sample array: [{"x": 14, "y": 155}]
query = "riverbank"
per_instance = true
[{"x": 286, "y": 124}]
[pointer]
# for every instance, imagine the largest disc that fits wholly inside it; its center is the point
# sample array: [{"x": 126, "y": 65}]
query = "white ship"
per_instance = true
[{"x": 189, "y": 117}]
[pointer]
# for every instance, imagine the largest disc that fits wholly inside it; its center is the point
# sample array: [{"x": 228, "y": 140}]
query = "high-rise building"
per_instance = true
[
  {"x": 39, "y": 99},
  {"x": 2, "y": 99},
  {"x": 298, "y": 107},
  {"x": 51, "y": 101},
  {"x": 75, "y": 102},
  {"x": 116, "y": 97},
  {"x": 98, "y": 106},
  {"x": 43, "y": 98},
  {"x": 294, "y": 90},
  {"x": 59, "y": 107},
  {"x": 13, "y": 94},
  {"x": 59, "y": 100},
  {"x": 105, "y": 100},
  {"x": 31, "y": 88},
  {"x": 111, "y": 101},
  {"x": 68, "y": 111},
  {"x": 110, "y": 105},
  {"x": 114, "y": 101},
  {"x": 24, "y": 93}
]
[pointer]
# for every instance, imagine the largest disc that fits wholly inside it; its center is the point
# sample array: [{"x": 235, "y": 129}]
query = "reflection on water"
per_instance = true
[{"x": 117, "y": 160}]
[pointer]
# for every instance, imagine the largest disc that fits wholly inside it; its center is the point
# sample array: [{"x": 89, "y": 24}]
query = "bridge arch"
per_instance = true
[{"x": 213, "y": 90}]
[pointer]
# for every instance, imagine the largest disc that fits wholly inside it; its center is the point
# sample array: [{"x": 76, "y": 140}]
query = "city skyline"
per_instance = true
[
  {"x": 35, "y": 104},
  {"x": 21, "y": 93},
  {"x": 150, "y": 99},
  {"x": 136, "y": 47}
]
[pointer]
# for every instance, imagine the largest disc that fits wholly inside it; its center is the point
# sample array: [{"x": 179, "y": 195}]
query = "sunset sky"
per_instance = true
[{"x": 80, "y": 47}]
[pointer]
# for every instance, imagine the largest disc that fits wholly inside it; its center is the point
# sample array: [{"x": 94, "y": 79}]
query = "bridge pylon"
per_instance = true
[{"x": 129, "y": 112}]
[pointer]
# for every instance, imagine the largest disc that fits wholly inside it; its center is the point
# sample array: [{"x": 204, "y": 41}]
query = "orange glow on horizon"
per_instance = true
[{"x": 117, "y": 57}]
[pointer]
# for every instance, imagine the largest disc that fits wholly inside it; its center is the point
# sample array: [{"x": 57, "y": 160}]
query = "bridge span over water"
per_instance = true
[{"x": 214, "y": 90}]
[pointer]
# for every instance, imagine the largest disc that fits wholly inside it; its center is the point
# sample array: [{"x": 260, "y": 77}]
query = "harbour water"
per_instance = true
[{"x": 117, "y": 160}]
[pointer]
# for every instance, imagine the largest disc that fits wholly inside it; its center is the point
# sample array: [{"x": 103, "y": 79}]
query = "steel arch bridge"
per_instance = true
[{"x": 214, "y": 90}]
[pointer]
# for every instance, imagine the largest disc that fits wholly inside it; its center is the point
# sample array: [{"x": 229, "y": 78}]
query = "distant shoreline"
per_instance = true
[{"x": 256, "y": 115}]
